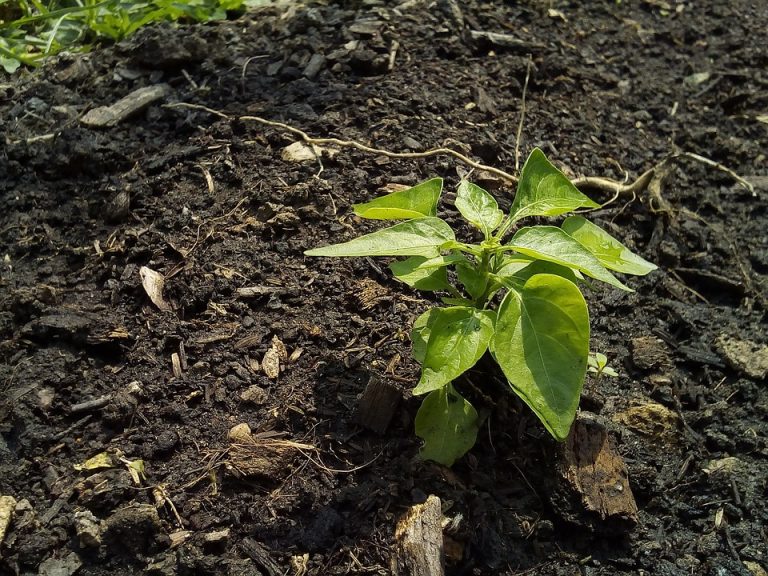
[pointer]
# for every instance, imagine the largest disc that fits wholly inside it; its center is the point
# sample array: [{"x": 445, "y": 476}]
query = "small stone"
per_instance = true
[
  {"x": 60, "y": 566},
  {"x": 755, "y": 569},
  {"x": 239, "y": 433},
  {"x": 88, "y": 529},
  {"x": 254, "y": 395},
  {"x": 133, "y": 529},
  {"x": 746, "y": 356},
  {"x": 216, "y": 537},
  {"x": 649, "y": 419},
  {"x": 7, "y": 507},
  {"x": 650, "y": 352}
]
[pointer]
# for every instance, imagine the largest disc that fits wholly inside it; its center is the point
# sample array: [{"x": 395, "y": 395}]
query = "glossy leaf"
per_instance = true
[
  {"x": 611, "y": 253},
  {"x": 541, "y": 344},
  {"x": 416, "y": 202},
  {"x": 553, "y": 244},
  {"x": 478, "y": 207},
  {"x": 425, "y": 273},
  {"x": 545, "y": 191},
  {"x": 520, "y": 268},
  {"x": 457, "y": 337},
  {"x": 419, "y": 237},
  {"x": 448, "y": 424}
]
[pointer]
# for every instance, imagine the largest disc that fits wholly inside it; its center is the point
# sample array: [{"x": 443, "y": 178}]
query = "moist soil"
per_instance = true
[{"x": 89, "y": 364}]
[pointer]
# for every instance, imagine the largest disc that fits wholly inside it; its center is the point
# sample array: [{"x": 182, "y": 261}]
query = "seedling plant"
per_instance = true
[
  {"x": 517, "y": 297},
  {"x": 31, "y": 30}
]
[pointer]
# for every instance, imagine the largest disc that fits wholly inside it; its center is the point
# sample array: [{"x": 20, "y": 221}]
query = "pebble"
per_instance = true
[
  {"x": 88, "y": 529},
  {"x": 254, "y": 395}
]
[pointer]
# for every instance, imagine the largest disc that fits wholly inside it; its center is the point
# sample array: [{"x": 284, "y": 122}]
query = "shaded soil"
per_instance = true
[{"x": 211, "y": 204}]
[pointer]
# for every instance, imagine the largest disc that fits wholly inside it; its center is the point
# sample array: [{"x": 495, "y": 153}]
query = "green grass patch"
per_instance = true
[{"x": 31, "y": 30}]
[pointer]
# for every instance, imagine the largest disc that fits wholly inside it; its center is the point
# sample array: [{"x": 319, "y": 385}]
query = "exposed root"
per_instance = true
[{"x": 584, "y": 183}]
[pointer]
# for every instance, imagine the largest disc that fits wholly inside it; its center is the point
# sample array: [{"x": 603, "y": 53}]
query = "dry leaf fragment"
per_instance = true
[
  {"x": 153, "y": 283},
  {"x": 99, "y": 462},
  {"x": 278, "y": 345},
  {"x": 271, "y": 363}
]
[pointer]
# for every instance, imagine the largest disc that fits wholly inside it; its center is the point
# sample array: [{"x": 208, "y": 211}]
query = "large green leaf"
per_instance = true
[
  {"x": 416, "y": 202},
  {"x": 457, "y": 338},
  {"x": 542, "y": 344},
  {"x": 478, "y": 207},
  {"x": 419, "y": 237},
  {"x": 520, "y": 268},
  {"x": 555, "y": 245},
  {"x": 425, "y": 273},
  {"x": 448, "y": 424},
  {"x": 545, "y": 191},
  {"x": 611, "y": 253}
]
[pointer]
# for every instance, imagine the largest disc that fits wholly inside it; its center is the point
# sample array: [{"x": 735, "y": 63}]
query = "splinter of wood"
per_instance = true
[{"x": 419, "y": 541}]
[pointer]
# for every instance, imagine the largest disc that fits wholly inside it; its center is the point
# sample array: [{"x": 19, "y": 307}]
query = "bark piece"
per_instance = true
[
  {"x": 260, "y": 554},
  {"x": 377, "y": 405},
  {"x": 594, "y": 479},
  {"x": 105, "y": 116},
  {"x": 419, "y": 541}
]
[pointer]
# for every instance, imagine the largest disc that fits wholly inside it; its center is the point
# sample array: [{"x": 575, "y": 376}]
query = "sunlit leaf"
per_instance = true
[
  {"x": 478, "y": 207},
  {"x": 555, "y": 245},
  {"x": 541, "y": 344},
  {"x": 545, "y": 191},
  {"x": 611, "y": 253},
  {"x": 416, "y": 202},
  {"x": 419, "y": 237}
]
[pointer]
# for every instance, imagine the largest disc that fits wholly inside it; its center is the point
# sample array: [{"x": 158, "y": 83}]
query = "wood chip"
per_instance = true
[
  {"x": 153, "y": 283},
  {"x": 419, "y": 541},
  {"x": 271, "y": 363},
  {"x": 377, "y": 405},
  {"x": 105, "y": 116},
  {"x": 594, "y": 478}
]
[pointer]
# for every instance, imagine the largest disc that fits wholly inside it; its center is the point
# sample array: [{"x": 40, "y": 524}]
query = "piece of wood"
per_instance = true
[
  {"x": 105, "y": 116},
  {"x": 594, "y": 479},
  {"x": 419, "y": 541},
  {"x": 260, "y": 554},
  {"x": 377, "y": 404}
]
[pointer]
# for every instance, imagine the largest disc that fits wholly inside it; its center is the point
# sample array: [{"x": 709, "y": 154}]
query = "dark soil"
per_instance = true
[{"x": 211, "y": 204}]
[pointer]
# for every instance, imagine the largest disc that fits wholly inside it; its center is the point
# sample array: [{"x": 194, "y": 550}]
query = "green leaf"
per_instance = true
[
  {"x": 545, "y": 191},
  {"x": 611, "y": 253},
  {"x": 457, "y": 337},
  {"x": 422, "y": 327},
  {"x": 472, "y": 279},
  {"x": 425, "y": 273},
  {"x": 553, "y": 244},
  {"x": 520, "y": 268},
  {"x": 416, "y": 202},
  {"x": 478, "y": 207},
  {"x": 448, "y": 424},
  {"x": 419, "y": 237},
  {"x": 542, "y": 344}
]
